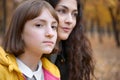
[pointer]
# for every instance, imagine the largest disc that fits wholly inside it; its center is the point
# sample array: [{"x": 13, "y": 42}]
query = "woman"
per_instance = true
[
  {"x": 75, "y": 58},
  {"x": 32, "y": 33}
]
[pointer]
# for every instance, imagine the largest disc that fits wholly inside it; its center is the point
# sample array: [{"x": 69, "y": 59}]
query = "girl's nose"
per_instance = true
[{"x": 49, "y": 32}]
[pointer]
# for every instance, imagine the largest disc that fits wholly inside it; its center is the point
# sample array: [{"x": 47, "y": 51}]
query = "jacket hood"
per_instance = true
[{"x": 8, "y": 60}]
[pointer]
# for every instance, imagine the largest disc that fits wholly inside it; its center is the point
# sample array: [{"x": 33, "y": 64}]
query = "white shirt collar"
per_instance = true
[{"x": 28, "y": 72}]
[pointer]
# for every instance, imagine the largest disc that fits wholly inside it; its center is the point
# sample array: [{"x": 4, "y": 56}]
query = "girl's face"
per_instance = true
[
  {"x": 40, "y": 33},
  {"x": 67, "y": 13}
]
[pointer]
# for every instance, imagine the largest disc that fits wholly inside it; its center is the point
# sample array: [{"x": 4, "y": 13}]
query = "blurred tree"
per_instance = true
[
  {"x": 4, "y": 17},
  {"x": 103, "y": 12},
  {"x": 113, "y": 7}
]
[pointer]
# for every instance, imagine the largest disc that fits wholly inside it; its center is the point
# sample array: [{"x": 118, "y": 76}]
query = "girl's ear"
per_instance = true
[
  {"x": 22, "y": 44},
  {"x": 22, "y": 38}
]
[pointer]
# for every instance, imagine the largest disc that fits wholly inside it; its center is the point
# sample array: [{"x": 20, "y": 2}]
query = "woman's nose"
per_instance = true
[{"x": 69, "y": 19}]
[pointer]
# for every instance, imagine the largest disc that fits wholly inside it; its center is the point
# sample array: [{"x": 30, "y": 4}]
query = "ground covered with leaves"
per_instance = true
[{"x": 107, "y": 57}]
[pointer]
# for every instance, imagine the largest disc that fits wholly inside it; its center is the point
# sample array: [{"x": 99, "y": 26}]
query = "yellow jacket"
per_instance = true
[{"x": 9, "y": 69}]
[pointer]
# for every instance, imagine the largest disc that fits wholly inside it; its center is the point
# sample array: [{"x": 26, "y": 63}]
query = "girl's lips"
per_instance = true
[{"x": 65, "y": 29}]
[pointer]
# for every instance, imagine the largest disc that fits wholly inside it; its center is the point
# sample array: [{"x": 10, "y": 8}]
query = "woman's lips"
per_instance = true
[{"x": 65, "y": 29}]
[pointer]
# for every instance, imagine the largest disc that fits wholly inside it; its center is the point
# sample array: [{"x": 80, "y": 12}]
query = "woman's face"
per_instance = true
[{"x": 67, "y": 13}]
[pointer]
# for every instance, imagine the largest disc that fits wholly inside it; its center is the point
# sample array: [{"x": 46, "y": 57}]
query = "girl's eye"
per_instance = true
[
  {"x": 54, "y": 27},
  {"x": 38, "y": 25}
]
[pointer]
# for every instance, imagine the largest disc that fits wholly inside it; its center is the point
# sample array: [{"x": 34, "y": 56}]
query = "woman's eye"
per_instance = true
[
  {"x": 62, "y": 11},
  {"x": 75, "y": 15}
]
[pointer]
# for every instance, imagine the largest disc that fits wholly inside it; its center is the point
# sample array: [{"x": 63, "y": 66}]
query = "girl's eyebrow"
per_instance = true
[{"x": 42, "y": 20}]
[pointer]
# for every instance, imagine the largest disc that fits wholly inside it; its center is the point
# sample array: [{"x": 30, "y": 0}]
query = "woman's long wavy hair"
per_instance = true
[{"x": 78, "y": 49}]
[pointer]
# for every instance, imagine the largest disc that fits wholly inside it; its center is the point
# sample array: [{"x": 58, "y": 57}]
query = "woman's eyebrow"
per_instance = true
[
  {"x": 63, "y": 6},
  {"x": 67, "y": 7}
]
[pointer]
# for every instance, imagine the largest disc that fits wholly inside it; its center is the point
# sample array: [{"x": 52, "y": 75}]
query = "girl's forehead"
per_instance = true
[{"x": 44, "y": 16}]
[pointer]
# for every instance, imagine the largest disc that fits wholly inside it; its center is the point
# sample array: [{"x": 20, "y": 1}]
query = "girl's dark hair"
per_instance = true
[
  {"x": 27, "y": 10},
  {"x": 78, "y": 50}
]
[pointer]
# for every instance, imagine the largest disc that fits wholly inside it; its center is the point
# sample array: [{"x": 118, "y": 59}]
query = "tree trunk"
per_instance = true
[
  {"x": 116, "y": 32},
  {"x": 4, "y": 16}
]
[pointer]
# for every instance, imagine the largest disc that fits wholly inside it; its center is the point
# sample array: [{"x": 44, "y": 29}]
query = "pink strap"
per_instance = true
[{"x": 49, "y": 76}]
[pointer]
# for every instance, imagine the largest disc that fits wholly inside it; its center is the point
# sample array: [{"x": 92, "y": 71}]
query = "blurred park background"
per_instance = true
[{"x": 101, "y": 21}]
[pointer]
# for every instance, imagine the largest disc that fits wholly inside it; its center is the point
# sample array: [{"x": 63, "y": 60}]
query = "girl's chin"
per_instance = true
[{"x": 48, "y": 50}]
